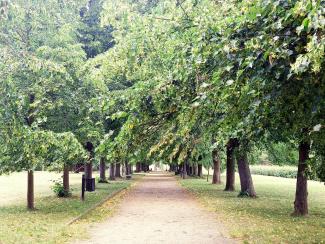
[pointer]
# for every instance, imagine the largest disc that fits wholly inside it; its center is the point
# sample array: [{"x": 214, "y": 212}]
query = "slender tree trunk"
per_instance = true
[
  {"x": 89, "y": 166},
  {"x": 30, "y": 190},
  {"x": 118, "y": 170},
  {"x": 130, "y": 169},
  {"x": 184, "y": 172},
  {"x": 208, "y": 174},
  {"x": 216, "y": 167},
  {"x": 30, "y": 174},
  {"x": 195, "y": 169},
  {"x": 112, "y": 171},
  {"x": 301, "y": 203},
  {"x": 246, "y": 181},
  {"x": 66, "y": 184},
  {"x": 102, "y": 170},
  {"x": 88, "y": 170},
  {"x": 230, "y": 178},
  {"x": 199, "y": 170}
]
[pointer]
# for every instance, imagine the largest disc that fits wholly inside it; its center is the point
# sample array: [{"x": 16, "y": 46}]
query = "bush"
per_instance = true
[
  {"x": 272, "y": 170},
  {"x": 59, "y": 190}
]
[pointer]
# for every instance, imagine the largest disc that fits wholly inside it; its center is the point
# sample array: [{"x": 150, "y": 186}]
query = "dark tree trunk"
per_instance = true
[
  {"x": 216, "y": 167},
  {"x": 30, "y": 190},
  {"x": 184, "y": 170},
  {"x": 199, "y": 170},
  {"x": 188, "y": 171},
  {"x": 246, "y": 182},
  {"x": 138, "y": 167},
  {"x": 230, "y": 178},
  {"x": 127, "y": 170},
  {"x": 195, "y": 169},
  {"x": 130, "y": 169},
  {"x": 66, "y": 184},
  {"x": 143, "y": 167},
  {"x": 89, "y": 165},
  {"x": 118, "y": 170},
  {"x": 112, "y": 171},
  {"x": 301, "y": 203},
  {"x": 102, "y": 170},
  {"x": 30, "y": 174}
]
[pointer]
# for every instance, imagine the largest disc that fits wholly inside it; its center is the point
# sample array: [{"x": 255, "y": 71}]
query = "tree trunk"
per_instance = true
[
  {"x": 30, "y": 190},
  {"x": 102, "y": 170},
  {"x": 118, "y": 170},
  {"x": 216, "y": 167},
  {"x": 184, "y": 171},
  {"x": 246, "y": 182},
  {"x": 130, "y": 169},
  {"x": 301, "y": 203},
  {"x": 112, "y": 171},
  {"x": 138, "y": 167},
  {"x": 199, "y": 170},
  {"x": 230, "y": 178},
  {"x": 89, "y": 166},
  {"x": 66, "y": 185},
  {"x": 195, "y": 169}
]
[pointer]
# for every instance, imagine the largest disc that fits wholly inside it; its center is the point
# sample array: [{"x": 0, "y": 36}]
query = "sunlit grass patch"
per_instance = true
[
  {"x": 267, "y": 218},
  {"x": 48, "y": 224}
]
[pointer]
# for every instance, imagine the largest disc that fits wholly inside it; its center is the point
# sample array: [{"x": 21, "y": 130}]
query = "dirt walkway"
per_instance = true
[{"x": 158, "y": 210}]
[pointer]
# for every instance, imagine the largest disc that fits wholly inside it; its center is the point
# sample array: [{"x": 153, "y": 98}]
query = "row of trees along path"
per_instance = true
[{"x": 189, "y": 83}]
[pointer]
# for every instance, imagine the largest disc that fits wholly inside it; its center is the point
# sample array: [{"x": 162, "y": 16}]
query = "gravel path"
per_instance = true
[{"x": 158, "y": 210}]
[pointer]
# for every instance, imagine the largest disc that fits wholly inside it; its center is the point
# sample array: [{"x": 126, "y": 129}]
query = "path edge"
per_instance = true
[{"x": 109, "y": 197}]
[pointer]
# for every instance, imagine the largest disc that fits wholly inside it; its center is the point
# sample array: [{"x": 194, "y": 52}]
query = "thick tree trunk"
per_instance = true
[
  {"x": 112, "y": 171},
  {"x": 128, "y": 170},
  {"x": 102, "y": 170},
  {"x": 246, "y": 182},
  {"x": 188, "y": 171},
  {"x": 30, "y": 190},
  {"x": 216, "y": 167},
  {"x": 230, "y": 178},
  {"x": 301, "y": 203},
  {"x": 199, "y": 170},
  {"x": 118, "y": 170},
  {"x": 66, "y": 184},
  {"x": 138, "y": 167}
]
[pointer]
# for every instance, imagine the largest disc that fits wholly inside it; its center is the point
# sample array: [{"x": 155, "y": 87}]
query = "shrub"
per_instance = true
[
  {"x": 59, "y": 190},
  {"x": 272, "y": 170}
]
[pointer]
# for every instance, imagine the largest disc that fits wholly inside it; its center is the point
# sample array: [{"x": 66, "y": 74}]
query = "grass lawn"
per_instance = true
[
  {"x": 265, "y": 219},
  {"x": 49, "y": 223}
]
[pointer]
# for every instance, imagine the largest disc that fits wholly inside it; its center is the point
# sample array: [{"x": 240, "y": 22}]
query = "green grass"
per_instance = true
[
  {"x": 267, "y": 218},
  {"x": 48, "y": 224}
]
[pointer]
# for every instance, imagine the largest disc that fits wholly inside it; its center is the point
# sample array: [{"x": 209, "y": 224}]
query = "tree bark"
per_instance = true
[
  {"x": 230, "y": 177},
  {"x": 246, "y": 182},
  {"x": 195, "y": 169},
  {"x": 66, "y": 184},
  {"x": 216, "y": 167},
  {"x": 118, "y": 170},
  {"x": 30, "y": 190},
  {"x": 184, "y": 171},
  {"x": 199, "y": 170},
  {"x": 89, "y": 166},
  {"x": 102, "y": 170},
  {"x": 112, "y": 171},
  {"x": 301, "y": 203},
  {"x": 138, "y": 167}
]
